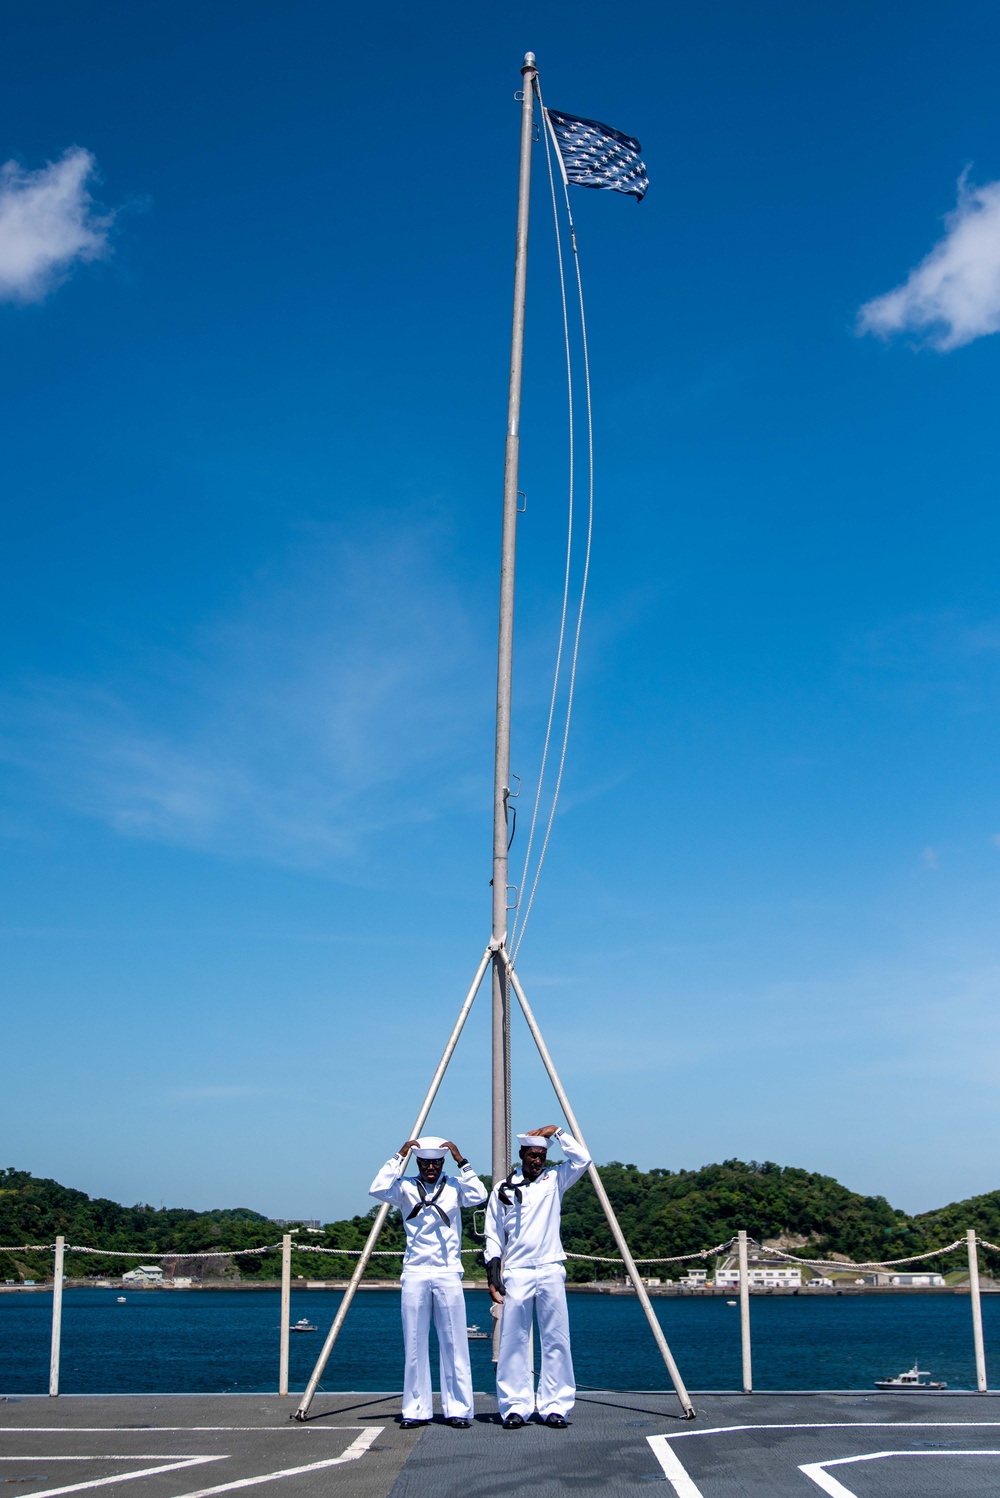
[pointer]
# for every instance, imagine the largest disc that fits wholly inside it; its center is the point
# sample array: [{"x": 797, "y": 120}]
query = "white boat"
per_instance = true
[
  {"x": 121, "y": 1300},
  {"x": 302, "y": 1325},
  {"x": 917, "y": 1380},
  {"x": 476, "y": 1334},
  {"x": 730, "y": 1302}
]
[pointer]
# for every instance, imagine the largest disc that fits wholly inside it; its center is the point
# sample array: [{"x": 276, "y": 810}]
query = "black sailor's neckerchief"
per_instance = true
[
  {"x": 507, "y": 1186},
  {"x": 429, "y": 1201}
]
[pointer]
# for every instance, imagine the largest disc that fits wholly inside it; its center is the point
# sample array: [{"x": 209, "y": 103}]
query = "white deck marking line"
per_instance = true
[
  {"x": 673, "y": 1468},
  {"x": 835, "y": 1489},
  {"x": 685, "y": 1486},
  {"x": 357, "y": 1448},
  {"x": 110, "y": 1456},
  {"x": 143, "y": 1430},
  {"x": 104, "y": 1482},
  {"x": 725, "y": 1430}
]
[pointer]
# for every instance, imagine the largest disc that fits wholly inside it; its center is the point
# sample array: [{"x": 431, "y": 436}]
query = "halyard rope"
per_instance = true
[
  {"x": 522, "y": 885},
  {"x": 590, "y": 535}
]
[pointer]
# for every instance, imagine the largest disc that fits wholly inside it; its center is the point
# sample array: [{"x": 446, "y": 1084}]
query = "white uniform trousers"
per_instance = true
[
  {"x": 438, "y": 1292},
  {"x": 542, "y": 1290}
]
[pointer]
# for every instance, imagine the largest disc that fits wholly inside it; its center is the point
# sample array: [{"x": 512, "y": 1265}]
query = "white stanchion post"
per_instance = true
[
  {"x": 57, "y": 1297},
  {"x": 745, "y": 1313},
  {"x": 286, "y": 1311},
  {"x": 977, "y": 1311}
]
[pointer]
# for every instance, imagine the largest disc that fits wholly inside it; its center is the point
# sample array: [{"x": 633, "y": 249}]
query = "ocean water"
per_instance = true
[{"x": 227, "y": 1341}]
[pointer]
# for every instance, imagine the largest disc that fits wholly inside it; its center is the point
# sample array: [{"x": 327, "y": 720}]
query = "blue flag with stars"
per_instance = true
[{"x": 595, "y": 155}]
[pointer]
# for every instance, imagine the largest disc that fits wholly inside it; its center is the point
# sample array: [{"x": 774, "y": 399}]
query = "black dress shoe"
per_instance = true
[
  {"x": 513, "y": 1422},
  {"x": 412, "y": 1424},
  {"x": 557, "y": 1422},
  {"x": 458, "y": 1422}
]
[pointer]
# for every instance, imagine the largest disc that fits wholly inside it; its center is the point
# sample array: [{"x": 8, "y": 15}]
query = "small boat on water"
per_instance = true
[
  {"x": 477, "y": 1335},
  {"x": 302, "y": 1325},
  {"x": 916, "y": 1381},
  {"x": 730, "y": 1302},
  {"x": 121, "y": 1300}
]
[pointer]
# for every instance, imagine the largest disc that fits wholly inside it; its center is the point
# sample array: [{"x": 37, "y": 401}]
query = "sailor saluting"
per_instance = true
[
  {"x": 431, "y": 1205},
  {"x": 525, "y": 1267}
]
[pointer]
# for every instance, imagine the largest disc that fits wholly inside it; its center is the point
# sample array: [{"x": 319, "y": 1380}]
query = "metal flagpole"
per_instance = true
[
  {"x": 505, "y": 647},
  {"x": 602, "y": 1197},
  {"x": 383, "y": 1211}
]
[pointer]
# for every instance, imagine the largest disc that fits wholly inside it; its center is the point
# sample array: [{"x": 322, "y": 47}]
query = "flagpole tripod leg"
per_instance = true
[
  {"x": 602, "y": 1197},
  {"x": 345, "y": 1305}
]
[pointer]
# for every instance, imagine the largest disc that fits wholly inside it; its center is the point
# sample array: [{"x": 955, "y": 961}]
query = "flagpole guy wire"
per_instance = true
[{"x": 345, "y": 1305}]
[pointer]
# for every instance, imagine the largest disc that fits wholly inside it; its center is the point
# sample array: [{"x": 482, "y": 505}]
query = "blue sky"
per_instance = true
[{"x": 256, "y": 264}]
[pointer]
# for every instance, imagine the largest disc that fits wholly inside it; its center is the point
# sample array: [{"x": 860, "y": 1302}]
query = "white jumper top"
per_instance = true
[
  {"x": 526, "y": 1234},
  {"x": 434, "y": 1233}
]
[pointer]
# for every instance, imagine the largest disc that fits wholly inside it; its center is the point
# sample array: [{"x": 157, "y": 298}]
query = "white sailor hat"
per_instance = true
[
  {"x": 429, "y": 1147},
  {"x": 533, "y": 1141}
]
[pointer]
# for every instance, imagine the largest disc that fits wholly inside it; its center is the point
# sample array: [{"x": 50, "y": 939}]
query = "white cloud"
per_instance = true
[
  {"x": 953, "y": 296},
  {"x": 47, "y": 222}
]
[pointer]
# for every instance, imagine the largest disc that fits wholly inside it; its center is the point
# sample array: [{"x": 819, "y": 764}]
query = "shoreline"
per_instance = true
[{"x": 605, "y": 1288}]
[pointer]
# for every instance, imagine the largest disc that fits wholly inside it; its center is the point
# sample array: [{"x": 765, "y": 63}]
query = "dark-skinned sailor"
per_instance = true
[
  {"x": 431, "y": 1204},
  {"x": 525, "y": 1264}
]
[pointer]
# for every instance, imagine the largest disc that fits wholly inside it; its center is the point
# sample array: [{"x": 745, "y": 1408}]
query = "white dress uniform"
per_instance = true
[
  {"x": 432, "y": 1281},
  {"x": 526, "y": 1235}
]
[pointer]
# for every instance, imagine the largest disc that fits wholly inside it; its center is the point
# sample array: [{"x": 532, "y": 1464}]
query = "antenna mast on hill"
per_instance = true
[{"x": 505, "y": 980}]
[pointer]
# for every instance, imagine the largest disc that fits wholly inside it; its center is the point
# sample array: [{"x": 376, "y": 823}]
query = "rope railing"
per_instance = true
[
  {"x": 701, "y": 1253},
  {"x": 761, "y": 1251},
  {"x": 741, "y": 1242},
  {"x": 846, "y": 1265},
  {"x": 129, "y": 1253}
]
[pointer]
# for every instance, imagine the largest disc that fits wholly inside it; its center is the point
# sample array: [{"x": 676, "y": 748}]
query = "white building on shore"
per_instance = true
[
  {"x": 143, "y": 1274},
  {"x": 764, "y": 1275}
]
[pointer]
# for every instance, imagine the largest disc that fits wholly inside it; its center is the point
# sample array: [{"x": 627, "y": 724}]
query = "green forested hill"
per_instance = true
[
  {"x": 674, "y": 1212},
  {"x": 663, "y": 1212},
  {"x": 34, "y": 1210}
]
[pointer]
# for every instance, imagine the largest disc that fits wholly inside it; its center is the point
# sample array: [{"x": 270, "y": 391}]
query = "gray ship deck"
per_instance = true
[{"x": 844, "y": 1445}]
